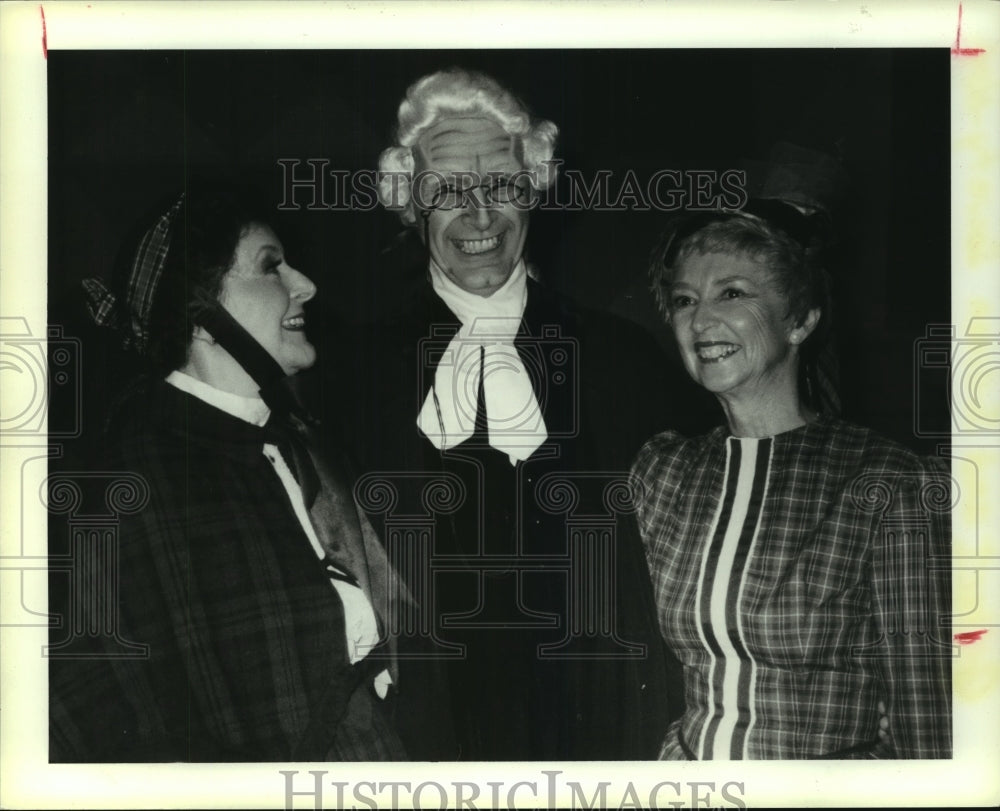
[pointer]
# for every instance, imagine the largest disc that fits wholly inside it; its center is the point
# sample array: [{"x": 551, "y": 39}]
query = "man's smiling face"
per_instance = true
[{"x": 477, "y": 245}]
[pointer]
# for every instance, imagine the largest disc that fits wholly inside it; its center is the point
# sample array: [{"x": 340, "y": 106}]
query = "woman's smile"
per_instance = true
[
  {"x": 731, "y": 324},
  {"x": 715, "y": 351},
  {"x": 295, "y": 323}
]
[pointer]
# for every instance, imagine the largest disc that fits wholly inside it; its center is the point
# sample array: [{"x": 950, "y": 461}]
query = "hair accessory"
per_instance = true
[{"x": 131, "y": 316}]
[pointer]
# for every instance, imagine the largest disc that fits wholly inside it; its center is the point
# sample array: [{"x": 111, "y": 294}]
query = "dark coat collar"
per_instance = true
[{"x": 155, "y": 405}]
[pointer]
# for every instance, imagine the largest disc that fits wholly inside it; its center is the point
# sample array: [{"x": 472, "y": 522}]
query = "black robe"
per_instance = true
[{"x": 536, "y": 638}]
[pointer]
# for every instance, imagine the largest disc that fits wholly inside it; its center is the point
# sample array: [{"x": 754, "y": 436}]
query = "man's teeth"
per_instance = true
[
  {"x": 716, "y": 351},
  {"x": 474, "y": 246},
  {"x": 295, "y": 322}
]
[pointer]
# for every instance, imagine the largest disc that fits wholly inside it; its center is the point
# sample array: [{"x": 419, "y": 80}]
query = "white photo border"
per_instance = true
[{"x": 27, "y": 780}]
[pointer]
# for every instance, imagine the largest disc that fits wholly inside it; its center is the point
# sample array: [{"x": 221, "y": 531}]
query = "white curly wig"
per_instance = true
[{"x": 458, "y": 92}]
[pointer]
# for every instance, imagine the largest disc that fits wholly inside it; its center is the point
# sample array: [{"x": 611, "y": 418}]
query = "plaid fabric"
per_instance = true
[
  {"x": 833, "y": 594},
  {"x": 132, "y": 315},
  {"x": 247, "y": 658},
  {"x": 101, "y": 302}
]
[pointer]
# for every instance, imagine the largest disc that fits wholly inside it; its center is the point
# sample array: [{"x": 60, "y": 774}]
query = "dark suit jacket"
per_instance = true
[
  {"x": 496, "y": 561},
  {"x": 246, "y": 652}
]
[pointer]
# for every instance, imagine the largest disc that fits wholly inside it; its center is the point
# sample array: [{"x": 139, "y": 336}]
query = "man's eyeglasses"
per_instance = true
[{"x": 497, "y": 191}]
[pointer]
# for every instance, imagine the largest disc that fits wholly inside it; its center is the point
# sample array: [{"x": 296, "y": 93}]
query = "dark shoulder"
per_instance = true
[
  {"x": 153, "y": 423},
  {"x": 596, "y": 326},
  {"x": 873, "y": 452},
  {"x": 612, "y": 351},
  {"x": 667, "y": 453},
  {"x": 878, "y": 472},
  {"x": 664, "y": 463},
  {"x": 140, "y": 447},
  {"x": 136, "y": 415},
  {"x": 889, "y": 482}
]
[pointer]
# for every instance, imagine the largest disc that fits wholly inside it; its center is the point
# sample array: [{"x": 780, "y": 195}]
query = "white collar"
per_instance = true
[
  {"x": 485, "y": 341},
  {"x": 249, "y": 409},
  {"x": 507, "y": 302}
]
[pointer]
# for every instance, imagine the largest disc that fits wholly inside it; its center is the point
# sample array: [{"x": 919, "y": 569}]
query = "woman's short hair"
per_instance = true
[
  {"x": 452, "y": 93},
  {"x": 204, "y": 234},
  {"x": 797, "y": 274}
]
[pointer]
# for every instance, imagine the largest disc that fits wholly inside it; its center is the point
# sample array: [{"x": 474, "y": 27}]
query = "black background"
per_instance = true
[{"x": 125, "y": 126}]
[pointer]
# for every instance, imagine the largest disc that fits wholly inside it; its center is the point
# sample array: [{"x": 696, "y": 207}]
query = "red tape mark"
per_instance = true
[
  {"x": 45, "y": 39},
  {"x": 968, "y": 637},
  {"x": 957, "y": 48}
]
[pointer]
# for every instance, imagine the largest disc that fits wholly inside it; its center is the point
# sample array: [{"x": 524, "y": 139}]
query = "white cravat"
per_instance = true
[
  {"x": 513, "y": 417},
  {"x": 360, "y": 625}
]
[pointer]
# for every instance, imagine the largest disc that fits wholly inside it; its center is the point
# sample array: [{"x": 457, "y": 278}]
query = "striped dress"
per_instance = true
[{"x": 800, "y": 579}]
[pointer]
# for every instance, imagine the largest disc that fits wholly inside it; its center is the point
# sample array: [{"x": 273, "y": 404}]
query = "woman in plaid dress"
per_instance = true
[
  {"x": 800, "y": 563},
  {"x": 251, "y": 593}
]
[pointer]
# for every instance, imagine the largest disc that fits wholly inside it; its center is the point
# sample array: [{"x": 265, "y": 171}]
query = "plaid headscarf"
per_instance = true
[{"x": 131, "y": 316}]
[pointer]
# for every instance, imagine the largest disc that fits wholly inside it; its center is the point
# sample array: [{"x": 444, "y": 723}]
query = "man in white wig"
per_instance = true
[{"x": 500, "y": 420}]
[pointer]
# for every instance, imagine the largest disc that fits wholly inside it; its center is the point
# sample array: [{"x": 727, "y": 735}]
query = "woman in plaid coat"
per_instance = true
[
  {"x": 800, "y": 564},
  {"x": 252, "y": 594}
]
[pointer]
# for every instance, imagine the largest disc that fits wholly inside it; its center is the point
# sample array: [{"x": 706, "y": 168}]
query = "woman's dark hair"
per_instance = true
[
  {"x": 779, "y": 237},
  {"x": 204, "y": 235}
]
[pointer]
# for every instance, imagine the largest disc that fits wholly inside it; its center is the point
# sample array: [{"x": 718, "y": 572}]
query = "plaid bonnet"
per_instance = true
[{"x": 131, "y": 316}]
